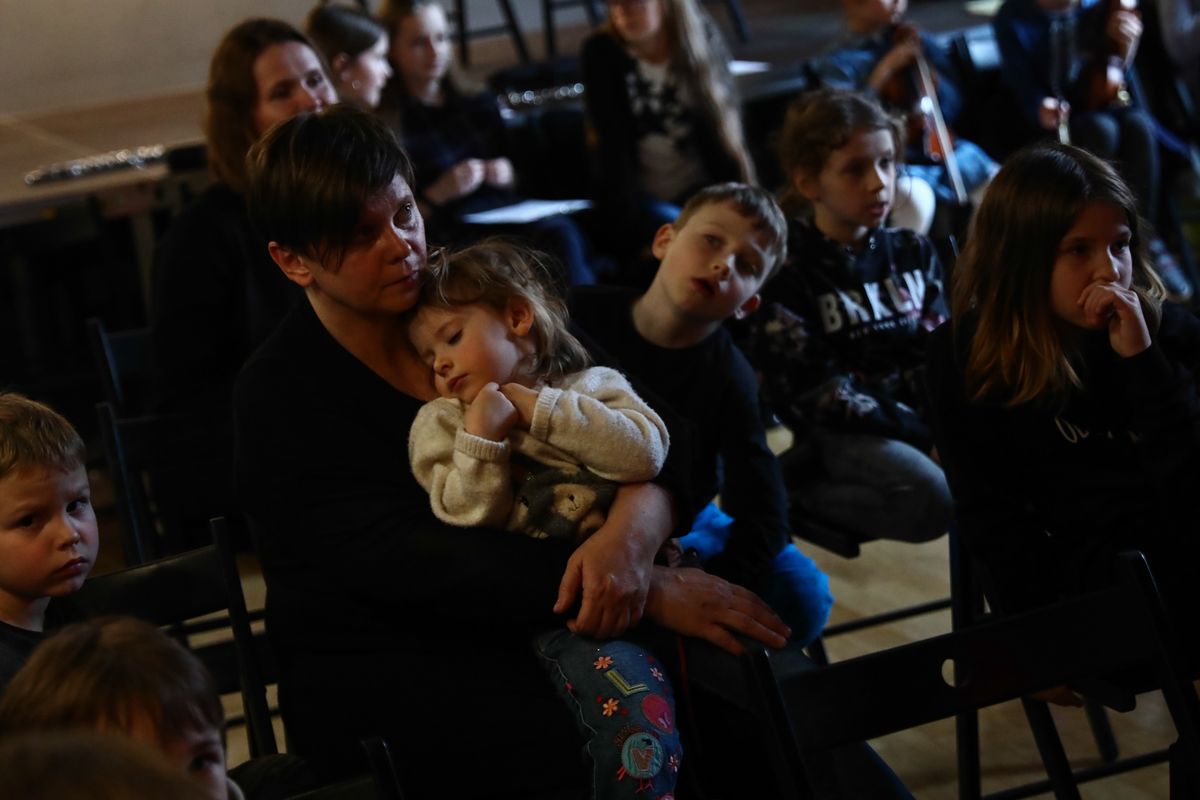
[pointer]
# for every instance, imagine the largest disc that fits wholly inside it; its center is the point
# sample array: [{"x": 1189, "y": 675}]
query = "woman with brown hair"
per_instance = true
[{"x": 264, "y": 71}]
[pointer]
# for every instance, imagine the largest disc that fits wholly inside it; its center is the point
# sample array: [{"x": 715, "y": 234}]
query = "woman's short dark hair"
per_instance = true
[
  {"x": 311, "y": 177},
  {"x": 233, "y": 94},
  {"x": 342, "y": 29}
]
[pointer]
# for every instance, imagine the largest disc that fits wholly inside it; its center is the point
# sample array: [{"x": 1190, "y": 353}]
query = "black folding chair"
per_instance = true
[
  {"x": 196, "y": 596},
  {"x": 122, "y": 361},
  {"x": 999, "y": 660},
  {"x": 168, "y": 477}
]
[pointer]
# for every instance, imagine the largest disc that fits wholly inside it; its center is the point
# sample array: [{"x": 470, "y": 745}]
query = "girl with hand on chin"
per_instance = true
[{"x": 1066, "y": 412}]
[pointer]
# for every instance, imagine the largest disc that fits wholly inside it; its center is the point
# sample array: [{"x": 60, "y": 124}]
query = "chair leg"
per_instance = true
[
  {"x": 1102, "y": 731},
  {"x": 816, "y": 651},
  {"x": 548, "y": 28},
  {"x": 739, "y": 20},
  {"x": 514, "y": 30},
  {"x": 1049, "y": 745},
  {"x": 965, "y": 602},
  {"x": 460, "y": 18},
  {"x": 592, "y": 9}
]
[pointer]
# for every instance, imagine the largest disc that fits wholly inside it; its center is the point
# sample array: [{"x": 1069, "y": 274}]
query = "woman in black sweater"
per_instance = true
[{"x": 216, "y": 293}]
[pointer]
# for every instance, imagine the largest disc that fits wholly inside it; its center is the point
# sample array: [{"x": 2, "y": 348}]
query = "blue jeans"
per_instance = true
[
  {"x": 796, "y": 589},
  {"x": 877, "y": 487},
  {"x": 624, "y": 704}
]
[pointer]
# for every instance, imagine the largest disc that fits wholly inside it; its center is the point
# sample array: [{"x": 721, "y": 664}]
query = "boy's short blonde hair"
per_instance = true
[
  {"x": 111, "y": 674},
  {"x": 34, "y": 435},
  {"x": 754, "y": 204}
]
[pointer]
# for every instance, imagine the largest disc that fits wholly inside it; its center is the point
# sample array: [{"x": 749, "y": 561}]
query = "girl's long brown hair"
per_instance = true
[
  {"x": 232, "y": 94},
  {"x": 701, "y": 62},
  {"x": 1002, "y": 280}
]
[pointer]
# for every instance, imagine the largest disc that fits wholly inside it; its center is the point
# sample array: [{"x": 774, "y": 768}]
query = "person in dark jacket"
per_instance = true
[
  {"x": 1064, "y": 400},
  {"x": 386, "y": 621},
  {"x": 840, "y": 339}
]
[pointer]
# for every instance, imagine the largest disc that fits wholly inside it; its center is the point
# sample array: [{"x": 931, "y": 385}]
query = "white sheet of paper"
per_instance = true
[
  {"x": 737, "y": 67},
  {"x": 526, "y": 211}
]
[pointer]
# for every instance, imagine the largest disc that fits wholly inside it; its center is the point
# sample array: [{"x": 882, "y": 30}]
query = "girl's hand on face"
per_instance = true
[
  {"x": 524, "y": 400},
  {"x": 694, "y": 603},
  {"x": 499, "y": 173},
  {"x": 459, "y": 181},
  {"x": 1118, "y": 307},
  {"x": 491, "y": 415}
]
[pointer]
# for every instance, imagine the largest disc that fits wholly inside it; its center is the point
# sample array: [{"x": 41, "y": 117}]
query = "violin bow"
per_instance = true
[{"x": 942, "y": 133}]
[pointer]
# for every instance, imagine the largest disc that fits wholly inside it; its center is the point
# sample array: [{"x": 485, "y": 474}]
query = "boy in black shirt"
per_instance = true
[
  {"x": 48, "y": 534},
  {"x": 727, "y": 242}
]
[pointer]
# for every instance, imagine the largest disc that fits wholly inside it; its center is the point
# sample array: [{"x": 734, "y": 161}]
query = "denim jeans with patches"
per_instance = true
[{"x": 622, "y": 700}]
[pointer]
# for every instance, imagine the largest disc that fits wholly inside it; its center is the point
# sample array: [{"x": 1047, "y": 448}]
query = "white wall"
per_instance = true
[
  {"x": 56, "y": 53},
  {"x": 62, "y": 53}
]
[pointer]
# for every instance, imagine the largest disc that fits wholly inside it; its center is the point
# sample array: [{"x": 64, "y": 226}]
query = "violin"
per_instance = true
[{"x": 915, "y": 88}]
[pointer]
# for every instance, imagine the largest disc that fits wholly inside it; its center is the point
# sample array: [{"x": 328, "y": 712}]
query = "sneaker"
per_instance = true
[{"x": 1179, "y": 288}]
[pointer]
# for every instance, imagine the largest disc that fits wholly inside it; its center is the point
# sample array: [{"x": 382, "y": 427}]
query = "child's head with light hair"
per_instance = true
[
  {"x": 125, "y": 676},
  {"x": 48, "y": 532}
]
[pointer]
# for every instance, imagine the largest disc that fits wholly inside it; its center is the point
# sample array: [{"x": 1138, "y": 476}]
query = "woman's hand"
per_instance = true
[
  {"x": 491, "y": 415},
  {"x": 692, "y": 602},
  {"x": 458, "y": 181},
  {"x": 499, "y": 173},
  {"x": 613, "y": 567},
  {"x": 1118, "y": 307}
]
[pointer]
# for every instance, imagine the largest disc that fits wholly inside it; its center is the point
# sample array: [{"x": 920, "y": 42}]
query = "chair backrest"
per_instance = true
[
  {"x": 1001, "y": 660},
  {"x": 169, "y": 479},
  {"x": 122, "y": 361},
  {"x": 196, "y": 597}
]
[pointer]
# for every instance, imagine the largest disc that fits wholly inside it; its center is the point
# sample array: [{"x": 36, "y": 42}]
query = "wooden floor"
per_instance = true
[{"x": 892, "y": 574}]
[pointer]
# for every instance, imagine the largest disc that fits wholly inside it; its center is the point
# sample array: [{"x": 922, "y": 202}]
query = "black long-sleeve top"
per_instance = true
[
  {"x": 1047, "y": 493},
  {"x": 840, "y": 337},
  {"x": 712, "y": 387}
]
